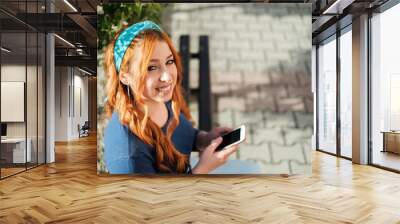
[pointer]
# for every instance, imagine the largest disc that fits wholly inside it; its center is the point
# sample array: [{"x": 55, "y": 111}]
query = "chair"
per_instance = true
[{"x": 84, "y": 130}]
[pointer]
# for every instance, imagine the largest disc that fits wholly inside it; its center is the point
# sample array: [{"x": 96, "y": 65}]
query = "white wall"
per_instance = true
[
  {"x": 33, "y": 127},
  {"x": 61, "y": 103},
  {"x": 68, "y": 83},
  {"x": 16, "y": 73},
  {"x": 80, "y": 84}
]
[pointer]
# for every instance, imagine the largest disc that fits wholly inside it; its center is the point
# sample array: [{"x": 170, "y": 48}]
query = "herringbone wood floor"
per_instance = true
[{"x": 70, "y": 191}]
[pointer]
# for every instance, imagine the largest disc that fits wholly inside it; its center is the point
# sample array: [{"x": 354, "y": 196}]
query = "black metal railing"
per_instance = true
[{"x": 203, "y": 92}]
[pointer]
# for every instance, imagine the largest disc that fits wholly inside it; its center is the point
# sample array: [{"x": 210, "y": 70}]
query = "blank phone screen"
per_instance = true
[{"x": 229, "y": 138}]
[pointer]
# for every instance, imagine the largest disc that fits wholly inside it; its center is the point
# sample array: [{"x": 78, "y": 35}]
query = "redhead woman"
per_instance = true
[{"x": 150, "y": 129}]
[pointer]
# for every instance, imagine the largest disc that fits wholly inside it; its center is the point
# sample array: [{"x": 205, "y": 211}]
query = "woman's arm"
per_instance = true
[{"x": 210, "y": 160}]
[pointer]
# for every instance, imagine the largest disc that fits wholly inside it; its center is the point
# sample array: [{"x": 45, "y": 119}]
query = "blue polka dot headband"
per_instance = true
[{"x": 125, "y": 38}]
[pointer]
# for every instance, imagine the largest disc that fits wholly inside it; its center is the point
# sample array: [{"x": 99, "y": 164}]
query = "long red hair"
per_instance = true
[{"x": 134, "y": 112}]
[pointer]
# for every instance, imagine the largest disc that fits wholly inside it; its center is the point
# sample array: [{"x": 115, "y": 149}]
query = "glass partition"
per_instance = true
[
  {"x": 22, "y": 89},
  {"x": 13, "y": 95}
]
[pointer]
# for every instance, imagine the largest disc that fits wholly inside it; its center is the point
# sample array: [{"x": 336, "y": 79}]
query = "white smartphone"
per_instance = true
[{"x": 232, "y": 138}]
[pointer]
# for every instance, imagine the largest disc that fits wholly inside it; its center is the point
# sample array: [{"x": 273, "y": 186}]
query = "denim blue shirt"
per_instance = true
[{"x": 125, "y": 153}]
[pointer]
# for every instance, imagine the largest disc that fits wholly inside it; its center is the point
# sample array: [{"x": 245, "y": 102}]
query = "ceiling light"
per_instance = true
[
  {"x": 5, "y": 49},
  {"x": 65, "y": 41},
  {"x": 338, "y": 6},
  {"x": 70, "y": 5},
  {"x": 84, "y": 71}
]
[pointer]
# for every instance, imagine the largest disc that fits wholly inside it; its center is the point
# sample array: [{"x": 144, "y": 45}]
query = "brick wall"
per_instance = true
[{"x": 260, "y": 59}]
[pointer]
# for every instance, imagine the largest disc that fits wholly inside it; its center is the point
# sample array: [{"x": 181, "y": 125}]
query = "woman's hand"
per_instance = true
[
  {"x": 209, "y": 159},
  {"x": 204, "y": 138}
]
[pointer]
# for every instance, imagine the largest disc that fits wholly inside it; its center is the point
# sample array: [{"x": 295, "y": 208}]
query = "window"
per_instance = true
[
  {"x": 385, "y": 88},
  {"x": 346, "y": 93},
  {"x": 327, "y": 96}
]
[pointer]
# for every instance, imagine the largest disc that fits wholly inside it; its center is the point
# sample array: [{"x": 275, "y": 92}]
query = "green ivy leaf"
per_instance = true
[{"x": 116, "y": 14}]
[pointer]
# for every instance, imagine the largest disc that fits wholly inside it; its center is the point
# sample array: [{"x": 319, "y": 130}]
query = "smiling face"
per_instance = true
[{"x": 161, "y": 74}]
